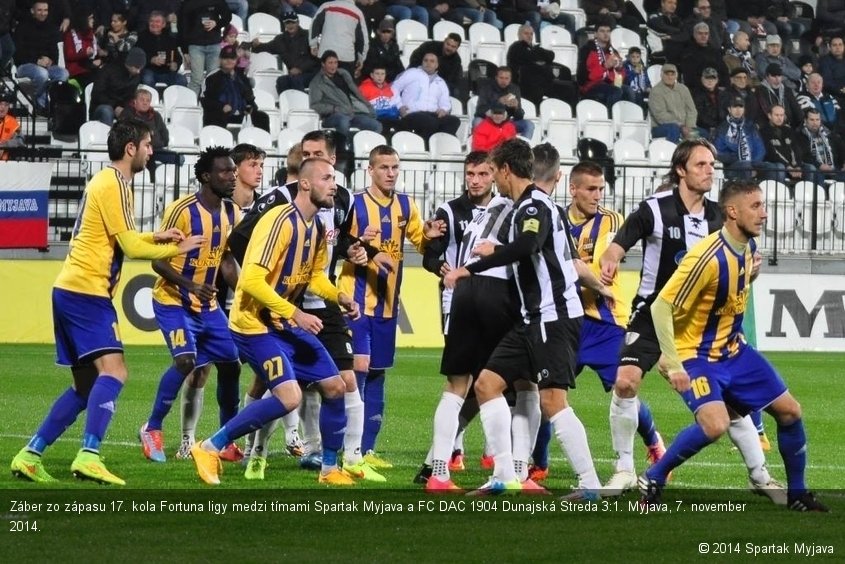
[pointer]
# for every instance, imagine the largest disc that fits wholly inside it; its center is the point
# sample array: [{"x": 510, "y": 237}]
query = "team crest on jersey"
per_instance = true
[
  {"x": 385, "y": 218},
  {"x": 680, "y": 256},
  {"x": 542, "y": 375},
  {"x": 631, "y": 337},
  {"x": 530, "y": 210}
]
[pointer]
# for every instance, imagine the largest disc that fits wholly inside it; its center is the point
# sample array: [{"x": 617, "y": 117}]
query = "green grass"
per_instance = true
[{"x": 29, "y": 382}]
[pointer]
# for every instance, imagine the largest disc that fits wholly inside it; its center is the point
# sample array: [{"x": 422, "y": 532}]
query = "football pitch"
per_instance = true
[{"x": 165, "y": 512}]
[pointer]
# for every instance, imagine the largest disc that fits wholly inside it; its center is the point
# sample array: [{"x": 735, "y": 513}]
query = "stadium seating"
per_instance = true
[
  {"x": 410, "y": 30},
  {"x": 629, "y": 122},
  {"x": 288, "y": 138},
  {"x": 263, "y": 26},
  {"x": 211, "y": 135},
  {"x": 444, "y": 27},
  {"x": 181, "y": 138},
  {"x": 176, "y": 96},
  {"x": 780, "y": 225},
  {"x": 256, "y": 136},
  {"x": 805, "y": 192}
]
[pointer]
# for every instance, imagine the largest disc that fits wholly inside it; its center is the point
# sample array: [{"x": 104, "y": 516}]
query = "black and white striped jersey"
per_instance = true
[
  {"x": 493, "y": 224},
  {"x": 667, "y": 230}
]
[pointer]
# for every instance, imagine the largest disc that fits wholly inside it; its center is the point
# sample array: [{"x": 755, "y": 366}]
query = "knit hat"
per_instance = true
[{"x": 136, "y": 58}]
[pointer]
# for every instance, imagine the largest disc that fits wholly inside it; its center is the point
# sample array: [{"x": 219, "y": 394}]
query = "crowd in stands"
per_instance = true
[{"x": 764, "y": 84}]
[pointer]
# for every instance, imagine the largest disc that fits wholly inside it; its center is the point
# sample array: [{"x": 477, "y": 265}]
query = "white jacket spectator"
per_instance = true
[{"x": 425, "y": 100}]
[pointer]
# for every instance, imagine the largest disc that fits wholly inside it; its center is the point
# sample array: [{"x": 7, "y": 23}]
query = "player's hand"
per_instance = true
[
  {"x": 445, "y": 269},
  {"x": 679, "y": 380},
  {"x": 434, "y": 228},
  {"x": 370, "y": 233},
  {"x": 350, "y": 306},
  {"x": 608, "y": 269},
  {"x": 357, "y": 255},
  {"x": 452, "y": 277},
  {"x": 172, "y": 235},
  {"x": 662, "y": 367},
  {"x": 308, "y": 322},
  {"x": 205, "y": 292},
  {"x": 484, "y": 249},
  {"x": 384, "y": 262},
  {"x": 609, "y": 299},
  {"x": 191, "y": 243},
  {"x": 756, "y": 263}
]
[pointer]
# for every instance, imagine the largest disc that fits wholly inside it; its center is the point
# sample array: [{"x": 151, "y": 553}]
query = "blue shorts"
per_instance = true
[
  {"x": 85, "y": 327},
  {"x": 280, "y": 356},
  {"x": 746, "y": 382},
  {"x": 205, "y": 335},
  {"x": 599, "y": 349},
  {"x": 376, "y": 338}
]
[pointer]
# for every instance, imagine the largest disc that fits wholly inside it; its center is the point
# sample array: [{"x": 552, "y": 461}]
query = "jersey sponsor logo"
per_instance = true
[
  {"x": 216, "y": 229},
  {"x": 629, "y": 359},
  {"x": 385, "y": 218},
  {"x": 631, "y": 337},
  {"x": 401, "y": 221},
  {"x": 532, "y": 225}
]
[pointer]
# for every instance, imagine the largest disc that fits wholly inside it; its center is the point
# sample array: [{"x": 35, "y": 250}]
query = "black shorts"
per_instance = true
[
  {"x": 482, "y": 312},
  {"x": 543, "y": 353},
  {"x": 641, "y": 347},
  {"x": 335, "y": 336}
]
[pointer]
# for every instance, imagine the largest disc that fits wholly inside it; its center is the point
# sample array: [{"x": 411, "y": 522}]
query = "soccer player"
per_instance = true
[
  {"x": 540, "y": 352},
  {"x": 593, "y": 227},
  {"x": 286, "y": 254},
  {"x": 385, "y": 219},
  {"x": 698, "y": 320},
  {"x": 474, "y": 324},
  {"x": 186, "y": 307},
  {"x": 668, "y": 223},
  {"x": 84, "y": 319}
]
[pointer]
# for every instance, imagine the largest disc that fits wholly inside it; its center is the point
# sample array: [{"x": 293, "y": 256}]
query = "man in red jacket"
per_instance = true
[{"x": 493, "y": 129}]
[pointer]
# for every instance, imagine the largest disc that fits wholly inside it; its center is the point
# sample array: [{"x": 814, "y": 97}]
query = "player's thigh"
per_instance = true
[
  {"x": 214, "y": 341},
  {"x": 85, "y": 328},
  {"x": 754, "y": 383},
  {"x": 362, "y": 335},
  {"x": 511, "y": 358},
  {"x": 462, "y": 334},
  {"x": 708, "y": 381},
  {"x": 640, "y": 347},
  {"x": 310, "y": 359},
  {"x": 599, "y": 348},
  {"x": 266, "y": 354},
  {"x": 177, "y": 327},
  {"x": 383, "y": 346}
]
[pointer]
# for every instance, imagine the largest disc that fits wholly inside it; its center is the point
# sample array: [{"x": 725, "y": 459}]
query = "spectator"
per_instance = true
[
  {"x": 7, "y": 44},
  {"x": 600, "y": 73},
  {"x": 292, "y": 46},
  {"x": 36, "y": 55},
  {"x": 783, "y": 148},
  {"x": 534, "y": 13},
  {"x": 449, "y": 61},
  {"x": 473, "y": 11},
  {"x": 239, "y": 7},
  {"x": 115, "y": 86},
  {"x": 698, "y": 55},
  {"x": 231, "y": 39},
  {"x": 334, "y": 95},
  {"x": 808, "y": 67},
  {"x": 141, "y": 109},
  {"x": 669, "y": 27},
  {"x": 821, "y": 147},
  {"x": 201, "y": 25},
  {"x": 384, "y": 51},
  {"x": 83, "y": 57},
  {"x": 739, "y": 146},
  {"x": 753, "y": 20},
  {"x": 623, "y": 13},
  {"x": 774, "y": 55},
  {"x": 827, "y": 106},
  {"x": 303, "y": 7},
  {"x": 705, "y": 96},
  {"x": 426, "y": 106},
  {"x": 10, "y": 129},
  {"x": 703, "y": 13},
  {"x": 772, "y": 91},
  {"x": 502, "y": 90},
  {"x": 493, "y": 129},
  {"x": 108, "y": 8},
  {"x": 228, "y": 97},
  {"x": 636, "y": 76},
  {"x": 162, "y": 50},
  {"x": 119, "y": 39},
  {"x": 532, "y": 70},
  {"x": 673, "y": 113},
  {"x": 340, "y": 27},
  {"x": 832, "y": 68},
  {"x": 374, "y": 12},
  {"x": 739, "y": 55},
  {"x": 168, "y": 8},
  {"x": 377, "y": 90},
  {"x": 782, "y": 14},
  {"x": 830, "y": 15},
  {"x": 739, "y": 87},
  {"x": 408, "y": 10}
]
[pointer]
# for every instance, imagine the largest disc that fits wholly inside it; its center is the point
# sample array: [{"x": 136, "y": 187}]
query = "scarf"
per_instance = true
[
  {"x": 606, "y": 74},
  {"x": 777, "y": 93},
  {"x": 744, "y": 57},
  {"x": 737, "y": 136},
  {"x": 819, "y": 145},
  {"x": 637, "y": 80}
]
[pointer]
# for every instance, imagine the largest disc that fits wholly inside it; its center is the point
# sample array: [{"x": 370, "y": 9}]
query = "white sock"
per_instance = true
[
  {"x": 310, "y": 418},
  {"x": 496, "y": 422},
  {"x": 623, "y": 429},
  {"x": 572, "y": 436},
  {"x": 428, "y": 457},
  {"x": 290, "y": 421},
  {"x": 445, "y": 427},
  {"x": 743, "y": 434},
  {"x": 262, "y": 437},
  {"x": 459, "y": 437},
  {"x": 524, "y": 426},
  {"x": 250, "y": 437},
  {"x": 192, "y": 400},
  {"x": 354, "y": 427}
]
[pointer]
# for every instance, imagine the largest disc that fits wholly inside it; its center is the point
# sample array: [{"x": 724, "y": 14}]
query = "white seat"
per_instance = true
[
  {"x": 265, "y": 80},
  {"x": 627, "y": 151},
  {"x": 263, "y": 61},
  {"x": 804, "y": 192},
  {"x": 486, "y": 38},
  {"x": 288, "y": 138},
  {"x": 407, "y": 142},
  {"x": 836, "y": 193},
  {"x": 493, "y": 52},
  {"x": 466, "y": 55},
  {"x": 457, "y": 106},
  {"x": 472, "y": 104},
  {"x": 261, "y": 24},
  {"x": 266, "y": 102},
  {"x": 564, "y": 136},
  {"x": 554, "y": 35},
  {"x": 553, "y": 109},
  {"x": 566, "y": 55},
  {"x": 511, "y": 34},
  {"x": 530, "y": 114},
  {"x": 600, "y": 130},
  {"x": 89, "y": 88},
  {"x": 410, "y": 30},
  {"x": 293, "y": 100},
  {"x": 176, "y": 96},
  {"x": 443, "y": 144},
  {"x": 304, "y": 21},
  {"x": 629, "y": 122},
  {"x": 364, "y": 141},
  {"x": 660, "y": 152},
  {"x": 255, "y": 136},
  {"x": 304, "y": 120},
  {"x": 211, "y": 135},
  {"x": 188, "y": 117},
  {"x": 592, "y": 115},
  {"x": 781, "y": 209},
  {"x": 408, "y": 49},
  {"x": 622, "y": 39},
  {"x": 93, "y": 133},
  {"x": 444, "y": 27},
  {"x": 654, "y": 74},
  {"x": 181, "y": 138},
  {"x": 237, "y": 22}
]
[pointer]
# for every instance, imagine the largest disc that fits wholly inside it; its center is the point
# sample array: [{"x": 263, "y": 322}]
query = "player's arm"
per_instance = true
[
  {"x": 319, "y": 283},
  {"x": 141, "y": 246},
  {"x": 420, "y": 233},
  {"x": 229, "y": 270},
  {"x": 589, "y": 280},
  {"x": 637, "y": 227},
  {"x": 164, "y": 269},
  {"x": 663, "y": 316},
  {"x": 433, "y": 256},
  {"x": 253, "y": 281}
]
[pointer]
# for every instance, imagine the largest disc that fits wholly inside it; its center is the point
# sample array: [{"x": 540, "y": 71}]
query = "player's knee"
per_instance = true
[
  {"x": 786, "y": 411},
  {"x": 228, "y": 370},
  {"x": 185, "y": 364},
  {"x": 459, "y": 385},
  {"x": 713, "y": 423},
  {"x": 332, "y": 388},
  {"x": 361, "y": 363},
  {"x": 349, "y": 380},
  {"x": 628, "y": 381},
  {"x": 488, "y": 386},
  {"x": 289, "y": 394}
]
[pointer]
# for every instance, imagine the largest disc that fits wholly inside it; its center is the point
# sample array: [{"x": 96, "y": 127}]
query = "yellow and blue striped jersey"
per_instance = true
[
  {"x": 191, "y": 217},
  {"x": 292, "y": 251},
  {"x": 397, "y": 218},
  {"x": 592, "y": 237},
  {"x": 709, "y": 291},
  {"x": 94, "y": 257}
]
